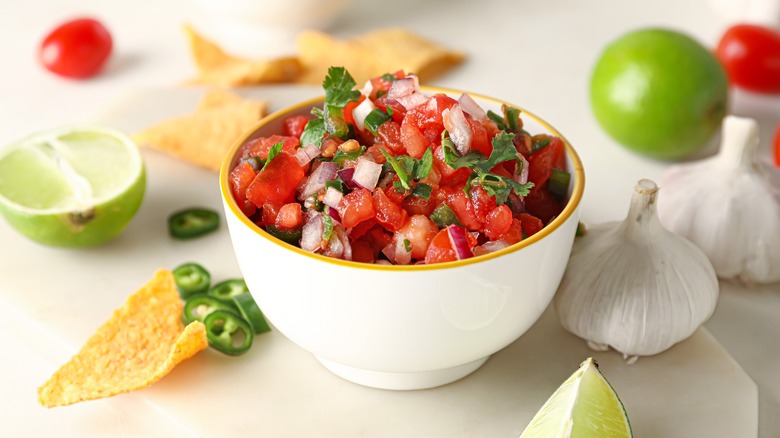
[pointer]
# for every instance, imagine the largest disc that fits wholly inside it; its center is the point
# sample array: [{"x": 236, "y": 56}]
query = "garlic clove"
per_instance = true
[
  {"x": 729, "y": 206},
  {"x": 635, "y": 286}
]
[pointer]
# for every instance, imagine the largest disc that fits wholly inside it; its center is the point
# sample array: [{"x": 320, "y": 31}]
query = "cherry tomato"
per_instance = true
[
  {"x": 751, "y": 56},
  {"x": 76, "y": 49},
  {"x": 777, "y": 146}
]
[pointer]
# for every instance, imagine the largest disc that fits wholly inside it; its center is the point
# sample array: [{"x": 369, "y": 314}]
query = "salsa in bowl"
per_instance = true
[{"x": 395, "y": 316}]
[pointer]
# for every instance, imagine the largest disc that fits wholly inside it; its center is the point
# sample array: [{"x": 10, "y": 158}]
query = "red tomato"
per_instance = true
[
  {"x": 498, "y": 222},
  {"x": 356, "y": 207},
  {"x": 269, "y": 213},
  {"x": 362, "y": 251},
  {"x": 479, "y": 139},
  {"x": 440, "y": 249},
  {"x": 261, "y": 146},
  {"x": 531, "y": 224},
  {"x": 389, "y": 214},
  {"x": 294, "y": 125},
  {"x": 542, "y": 204},
  {"x": 76, "y": 49},
  {"x": 417, "y": 205},
  {"x": 389, "y": 134},
  {"x": 290, "y": 216},
  {"x": 427, "y": 117},
  {"x": 276, "y": 183},
  {"x": 751, "y": 56},
  {"x": 542, "y": 162},
  {"x": 349, "y": 107},
  {"x": 418, "y": 230},
  {"x": 240, "y": 178},
  {"x": 463, "y": 208},
  {"x": 414, "y": 142},
  {"x": 514, "y": 234},
  {"x": 777, "y": 146},
  {"x": 481, "y": 203}
]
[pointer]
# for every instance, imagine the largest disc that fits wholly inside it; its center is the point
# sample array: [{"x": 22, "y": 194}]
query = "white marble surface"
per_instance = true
[{"x": 535, "y": 54}]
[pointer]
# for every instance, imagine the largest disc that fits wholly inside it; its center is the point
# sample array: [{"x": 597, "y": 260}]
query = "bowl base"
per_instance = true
[{"x": 401, "y": 381}]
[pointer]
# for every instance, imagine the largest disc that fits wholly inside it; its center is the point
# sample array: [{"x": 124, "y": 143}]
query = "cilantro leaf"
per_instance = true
[
  {"x": 273, "y": 152},
  {"x": 425, "y": 165},
  {"x": 503, "y": 150},
  {"x": 339, "y": 87},
  {"x": 454, "y": 159},
  {"x": 399, "y": 169},
  {"x": 327, "y": 227},
  {"x": 407, "y": 245},
  {"x": 313, "y": 132}
]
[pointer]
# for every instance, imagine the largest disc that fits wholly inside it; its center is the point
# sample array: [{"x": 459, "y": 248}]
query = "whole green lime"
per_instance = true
[{"x": 659, "y": 92}]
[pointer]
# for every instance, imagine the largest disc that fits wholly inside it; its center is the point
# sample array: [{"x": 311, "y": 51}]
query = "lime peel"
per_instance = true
[{"x": 584, "y": 405}]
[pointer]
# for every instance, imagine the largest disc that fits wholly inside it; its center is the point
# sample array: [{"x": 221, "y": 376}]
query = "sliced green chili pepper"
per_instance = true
[
  {"x": 226, "y": 290},
  {"x": 228, "y": 332},
  {"x": 192, "y": 222},
  {"x": 292, "y": 236},
  {"x": 559, "y": 183},
  {"x": 443, "y": 216},
  {"x": 199, "y": 306},
  {"x": 191, "y": 278},
  {"x": 251, "y": 313}
]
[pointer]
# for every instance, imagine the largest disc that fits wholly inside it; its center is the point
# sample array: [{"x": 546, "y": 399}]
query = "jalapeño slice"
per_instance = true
[
  {"x": 192, "y": 222},
  {"x": 199, "y": 306},
  {"x": 251, "y": 313},
  {"x": 226, "y": 290},
  {"x": 191, "y": 278},
  {"x": 228, "y": 332}
]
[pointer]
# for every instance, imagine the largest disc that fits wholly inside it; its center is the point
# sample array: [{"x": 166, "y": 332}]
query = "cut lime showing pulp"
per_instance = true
[
  {"x": 585, "y": 405},
  {"x": 74, "y": 186}
]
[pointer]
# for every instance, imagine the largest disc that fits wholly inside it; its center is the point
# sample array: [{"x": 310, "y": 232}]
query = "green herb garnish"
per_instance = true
[
  {"x": 273, "y": 152},
  {"x": 408, "y": 168},
  {"x": 443, "y": 216},
  {"x": 422, "y": 191},
  {"x": 375, "y": 119},
  {"x": 407, "y": 245},
  {"x": 327, "y": 227},
  {"x": 339, "y": 90}
]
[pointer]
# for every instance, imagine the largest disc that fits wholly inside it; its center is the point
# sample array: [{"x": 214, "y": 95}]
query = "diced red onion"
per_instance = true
[
  {"x": 457, "y": 125},
  {"x": 402, "y": 256},
  {"x": 494, "y": 245},
  {"x": 361, "y": 111},
  {"x": 403, "y": 87},
  {"x": 413, "y": 100},
  {"x": 326, "y": 171},
  {"x": 368, "y": 87},
  {"x": 332, "y": 197},
  {"x": 459, "y": 241},
  {"x": 304, "y": 155},
  {"x": 301, "y": 156},
  {"x": 522, "y": 177},
  {"x": 382, "y": 262},
  {"x": 366, "y": 173},
  {"x": 311, "y": 235},
  {"x": 389, "y": 252},
  {"x": 334, "y": 214},
  {"x": 346, "y": 175},
  {"x": 471, "y": 107},
  {"x": 341, "y": 236}
]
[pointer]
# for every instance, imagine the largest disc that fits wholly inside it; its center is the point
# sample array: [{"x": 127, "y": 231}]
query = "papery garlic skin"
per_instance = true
[
  {"x": 635, "y": 286},
  {"x": 727, "y": 207}
]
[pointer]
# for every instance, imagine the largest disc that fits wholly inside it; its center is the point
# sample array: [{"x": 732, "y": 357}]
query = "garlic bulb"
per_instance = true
[
  {"x": 728, "y": 207},
  {"x": 633, "y": 285}
]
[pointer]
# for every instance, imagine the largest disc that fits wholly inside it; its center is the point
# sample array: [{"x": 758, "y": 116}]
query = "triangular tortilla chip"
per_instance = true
[
  {"x": 205, "y": 136},
  {"x": 141, "y": 342},
  {"x": 373, "y": 54},
  {"x": 219, "y": 68}
]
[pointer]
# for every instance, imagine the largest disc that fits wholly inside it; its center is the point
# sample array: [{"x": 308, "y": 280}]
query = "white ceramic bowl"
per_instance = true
[{"x": 402, "y": 327}]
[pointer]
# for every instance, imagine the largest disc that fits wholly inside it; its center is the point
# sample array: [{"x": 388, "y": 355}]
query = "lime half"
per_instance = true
[
  {"x": 585, "y": 405},
  {"x": 74, "y": 186}
]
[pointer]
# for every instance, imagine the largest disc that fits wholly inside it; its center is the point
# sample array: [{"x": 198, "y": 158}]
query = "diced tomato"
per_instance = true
[
  {"x": 356, "y": 207},
  {"x": 268, "y": 213},
  {"x": 389, "y": 214},
  {"x": 440, "y": 249},
  {"x": 417, "y": 205},
  {"x": 491, "y": 129},
  {"x": 414, "y": 142},
  {"x": 540, "y": 165},
  {"x": 449, "y": 176},
  {"x": 362, "y": 228},
  {"x": 362, "y": 251},
  {"x": 479, "y": 139},
  {"x": 559, "y": 153},
  {"x": 389, "y": 134},
  {"x": 481, "y": 202},
  {"x": 542, "y": 204},
  {"x": 419, "y": 231},
  {"x": 427, "y": 117},
  {"x": 294, "y": 125},
  {"x": 290, "y": 216},
  {"x": 397, "y": 111},
  {"x": 514, "y": 234},
  {"x": 531, "y": 224},
  {"x": 240, "y": 178},
  {"x": 380, "y": 85},
  {"x": 277, "y": 182},
  {"x": 262, "y": 145},
  {"x": 498, "y": 222},
  {"x": 349, "y": 107},
  {"x": 375, "y": 154},
  {"x": 461, "y": 205}
]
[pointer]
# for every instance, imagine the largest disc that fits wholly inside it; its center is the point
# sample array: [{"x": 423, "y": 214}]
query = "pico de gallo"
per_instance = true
[{"x": 388, "y": 174}]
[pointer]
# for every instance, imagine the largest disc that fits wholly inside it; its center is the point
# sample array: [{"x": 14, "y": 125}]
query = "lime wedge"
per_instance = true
[
  {"x": 74, "y": 186},
  {"x": 585, "y": 405}
]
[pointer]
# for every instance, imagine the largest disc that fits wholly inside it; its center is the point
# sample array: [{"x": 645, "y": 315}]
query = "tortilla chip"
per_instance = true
[
  {"x": 205, "y": 136},
  {"x": 141, "y": 342},
  {"x": 218, "y": 68},
  {"x": 373, "y": 54}
]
